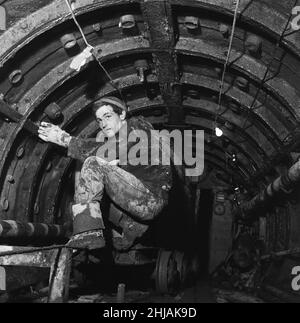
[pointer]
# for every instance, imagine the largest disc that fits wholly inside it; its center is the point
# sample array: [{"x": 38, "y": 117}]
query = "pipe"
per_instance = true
[
  {"x": 285, "y": 183},
  {"x": 20, "y": 230}
]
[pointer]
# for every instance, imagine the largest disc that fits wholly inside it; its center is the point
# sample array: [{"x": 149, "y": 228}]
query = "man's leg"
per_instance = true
[
  {"x": 123, "y": 188},
  {"x": 87, "y": 217}
]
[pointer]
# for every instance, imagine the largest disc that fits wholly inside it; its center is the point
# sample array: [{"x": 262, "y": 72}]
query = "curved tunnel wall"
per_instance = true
[{"x": 259, "y": 112}]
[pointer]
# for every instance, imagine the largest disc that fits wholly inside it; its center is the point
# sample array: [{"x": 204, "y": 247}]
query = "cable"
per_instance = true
[
  {"x": 251, "y": 108},
  {"x": 93, "y": 52},
  {"x": 226, "y": 62}
]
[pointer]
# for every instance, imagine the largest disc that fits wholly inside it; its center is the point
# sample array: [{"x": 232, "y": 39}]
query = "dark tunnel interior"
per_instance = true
[{"x": 235, "y": 227}]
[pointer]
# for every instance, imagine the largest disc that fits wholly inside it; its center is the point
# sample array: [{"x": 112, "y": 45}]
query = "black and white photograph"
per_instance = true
[{"x": 149, "y": 154}]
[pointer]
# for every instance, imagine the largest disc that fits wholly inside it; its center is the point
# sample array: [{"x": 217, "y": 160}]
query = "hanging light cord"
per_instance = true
[
  {"x": 226, "y": 63},
  {"x": 93, "y": 52}
]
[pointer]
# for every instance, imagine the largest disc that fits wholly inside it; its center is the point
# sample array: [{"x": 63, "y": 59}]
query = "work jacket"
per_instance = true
[{"x": 155, "y": 175}]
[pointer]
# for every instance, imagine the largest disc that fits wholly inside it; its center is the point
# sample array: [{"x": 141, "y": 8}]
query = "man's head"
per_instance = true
[{"x": 110, "y": 114}]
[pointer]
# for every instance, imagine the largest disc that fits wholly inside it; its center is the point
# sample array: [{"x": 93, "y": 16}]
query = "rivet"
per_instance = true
[
  {"x": 24, "y": 25},
  {"x": 10, "y": 179},
  {"x": 191, "y": 23},
  {"x": 5, "y": 204},
  {"x": 127, "y": 22},
  {"x": 15, "y": 77},
  {"x": 60, "y": 70},
  {"x": 68, "y": 41},
  {"x": 20, "y": 152}
]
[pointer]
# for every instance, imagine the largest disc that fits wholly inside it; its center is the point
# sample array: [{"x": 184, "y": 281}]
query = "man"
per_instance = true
[{"x": 140, "y": 190}]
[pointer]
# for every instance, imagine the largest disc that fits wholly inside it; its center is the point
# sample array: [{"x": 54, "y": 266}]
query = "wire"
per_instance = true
[
  {"x": 226, "y": 62},
  {"x": 93, "y": 52},
  {"x": 251, "y": 108}
]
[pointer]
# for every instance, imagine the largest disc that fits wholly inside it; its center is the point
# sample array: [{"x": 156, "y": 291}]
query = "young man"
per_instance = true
[{"x": 141, "y": 190}]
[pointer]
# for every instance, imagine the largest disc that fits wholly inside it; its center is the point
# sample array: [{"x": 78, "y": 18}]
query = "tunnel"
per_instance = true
[{"x": 181, "y": 64}]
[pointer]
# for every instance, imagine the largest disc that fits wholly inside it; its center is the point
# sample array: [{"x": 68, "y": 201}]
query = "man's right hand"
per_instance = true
[{"x": 51, "y": 133}]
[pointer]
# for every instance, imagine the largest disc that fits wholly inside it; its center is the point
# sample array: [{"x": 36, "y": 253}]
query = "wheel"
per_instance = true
[
  {"x": 183, "y": 267},
  {"x": 166, "y": 273}
]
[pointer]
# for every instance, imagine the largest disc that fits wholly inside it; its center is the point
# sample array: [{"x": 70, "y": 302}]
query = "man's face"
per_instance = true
[{"x": 109, "y": 121}]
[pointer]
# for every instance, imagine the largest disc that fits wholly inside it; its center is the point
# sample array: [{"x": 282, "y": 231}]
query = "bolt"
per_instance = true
[
  {"x": 53, "y": 111},
  {"x": 68, "y": 41},
  {"x": 191, "y": 23},
  {"x": 24, "y": 25},
  {"x": 97, "y": 27},
  {"x": 15, "y": 77},
  {"x": 127, "y": 22}
]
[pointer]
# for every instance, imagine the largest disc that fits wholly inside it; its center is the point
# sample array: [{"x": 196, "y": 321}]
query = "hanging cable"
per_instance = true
[
  {"x": 264, "y": 80},
  {"x": 93, "y": 52},
  {"x": 226, "y": 63}
]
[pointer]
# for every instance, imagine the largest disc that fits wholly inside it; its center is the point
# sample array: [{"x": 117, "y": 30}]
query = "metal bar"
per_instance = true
[
  {"x": 60, "y": 277},
  {"x": 16, "y": 117},
  {"x": 32, "y": 258},
  {"x": 14, "y": 229},
  {"x": 283, "y": 184},
  {"x": 163, "y": 40}
]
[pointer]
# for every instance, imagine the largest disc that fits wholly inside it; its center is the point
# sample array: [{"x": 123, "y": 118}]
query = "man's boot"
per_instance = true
[
  {"x": 87, "y": 226},
  {"x": 132, "y": 230}
]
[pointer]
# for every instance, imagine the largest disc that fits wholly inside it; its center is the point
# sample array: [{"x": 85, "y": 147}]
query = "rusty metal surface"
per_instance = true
[
  {"x": 42, "y": 259},
  {"x": 242, "y": 62},
  {"x": 162, "y": 40},
  {"x": 14, "y": 229},
  {"x": 262, "y": 15},
  {"x": 60, "y": 277}
]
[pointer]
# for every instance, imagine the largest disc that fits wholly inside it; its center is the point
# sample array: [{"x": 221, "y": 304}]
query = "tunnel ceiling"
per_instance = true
[{"x": 182, "y": 46}]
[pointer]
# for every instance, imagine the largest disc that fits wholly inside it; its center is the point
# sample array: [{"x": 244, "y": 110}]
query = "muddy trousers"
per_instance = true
[{"x": 123, "y": 188}]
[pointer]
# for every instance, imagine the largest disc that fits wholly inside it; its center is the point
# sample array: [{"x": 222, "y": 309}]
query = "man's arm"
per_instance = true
[{"x": 78, "y": 148}]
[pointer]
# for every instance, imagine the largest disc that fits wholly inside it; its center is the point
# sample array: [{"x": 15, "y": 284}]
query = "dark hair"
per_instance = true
[
  {"x": 118, "y": 105},
  {"x": 116, "y": 109}
]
